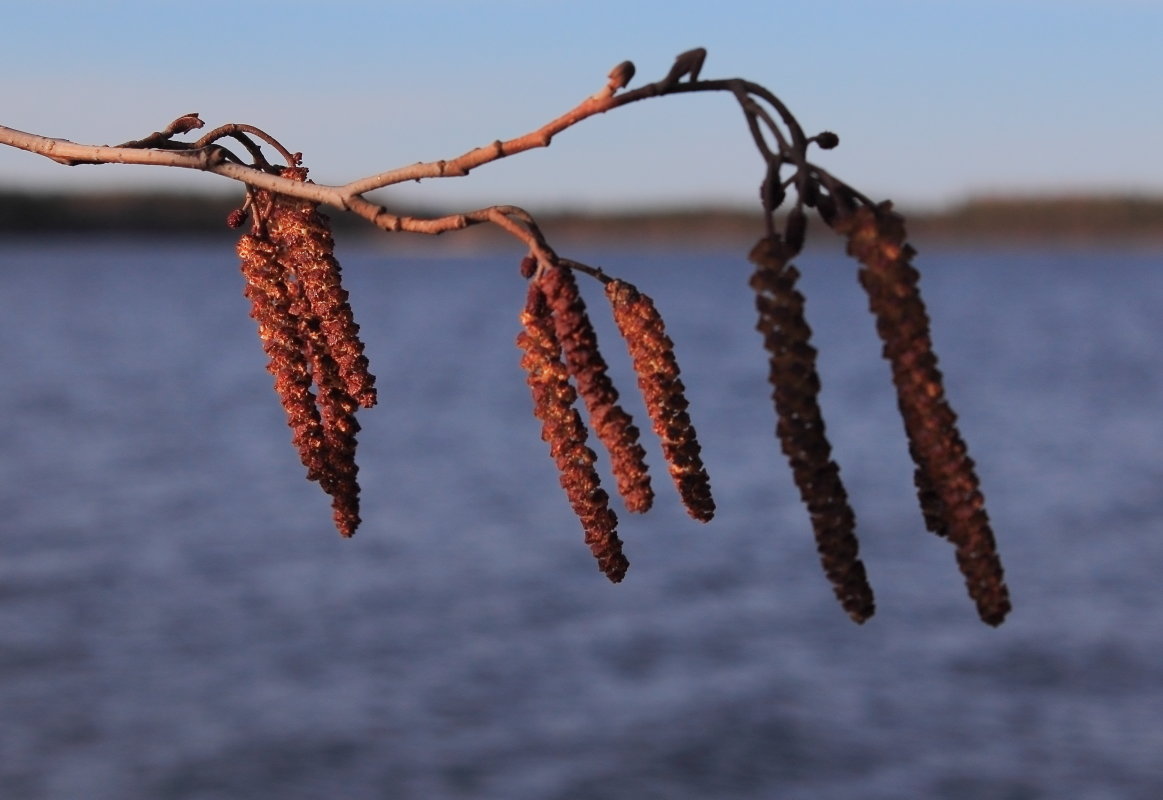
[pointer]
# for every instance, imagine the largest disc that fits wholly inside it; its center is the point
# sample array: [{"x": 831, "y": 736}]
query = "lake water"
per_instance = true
[{"x": 178, "y": 619}]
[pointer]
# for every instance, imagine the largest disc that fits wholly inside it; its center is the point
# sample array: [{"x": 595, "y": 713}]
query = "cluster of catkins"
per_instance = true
[
  {"x": 321, "y": 377},
  {"x": 311, "y": 341},
  {"x": 561, "y": 361},
  {"x": 947, "y": 485}
]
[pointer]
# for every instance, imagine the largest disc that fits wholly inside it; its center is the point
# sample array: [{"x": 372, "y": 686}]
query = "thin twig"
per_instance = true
[
  {"x": 205, "y": 156},
  {"x": 238, "y": 131}
]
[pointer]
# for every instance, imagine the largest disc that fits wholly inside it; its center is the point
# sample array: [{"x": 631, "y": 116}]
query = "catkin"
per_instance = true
[
  {"x": 562, "y": 428},
  {"x": 267, "y": 290},
  {"x": 303, "y": 235},
  {"x": 292, "y": 283},
  {"x": 337, "y": 412},
  {"x": 801, "y": 431},
  {"x": 614, "y": 427},
  {"x": 652, "y": 352},
  {"x": 946, "y": 481}
]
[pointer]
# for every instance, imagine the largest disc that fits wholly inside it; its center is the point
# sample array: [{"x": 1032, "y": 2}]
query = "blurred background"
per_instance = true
[{"x": 178, "y": 619}]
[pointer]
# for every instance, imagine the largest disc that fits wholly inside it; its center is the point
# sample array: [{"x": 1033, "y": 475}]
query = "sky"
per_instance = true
[{"x": 934, "y": 101}]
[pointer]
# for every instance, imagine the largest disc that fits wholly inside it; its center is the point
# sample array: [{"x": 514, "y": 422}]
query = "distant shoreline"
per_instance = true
[{"x": 1074, "y": 219}]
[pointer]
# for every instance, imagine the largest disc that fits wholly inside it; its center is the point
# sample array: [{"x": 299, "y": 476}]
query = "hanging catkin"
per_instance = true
[
  {"x": 553, "y": 404},
  {"x": 292, "y": 279},
  {"x": 796, "y": 386},
  {"x": 337, "y": 412},
  {"x": 946, "y": 481},
  {"x": 267, "y": 289},
  {"x": 658, "y": 377},
  {"x": 303, "y": 235},
  {"x": 614, "y": 427}
]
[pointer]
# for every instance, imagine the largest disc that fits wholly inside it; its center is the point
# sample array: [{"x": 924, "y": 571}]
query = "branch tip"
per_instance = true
[
  {"x": 689, "y": 63},
  {"x": 621, "y": 75}
]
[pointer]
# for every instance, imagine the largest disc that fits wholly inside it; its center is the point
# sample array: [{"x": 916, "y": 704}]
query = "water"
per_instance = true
[{"x": 178, "y": 619}]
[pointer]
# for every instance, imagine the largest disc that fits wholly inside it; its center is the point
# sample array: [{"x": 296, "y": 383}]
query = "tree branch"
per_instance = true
[
  {"x": 204, "y": 155},
  {"x": 309, "y": 332}
]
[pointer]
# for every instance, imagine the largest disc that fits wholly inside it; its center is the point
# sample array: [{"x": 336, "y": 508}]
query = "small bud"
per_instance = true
[
  {"x": 827, "y": 140},
  {"x": 621, "y": 75},
  {"x": 771, "y": 191},
  {"x": 826, "y": 206},
  {"x": 185, "y": 124},
  {"x": 809, "y": 192},
  {"x": 686, "y": 64},
  {"x": 795, "y": 229},
  {"x": 236, "y": 218}
]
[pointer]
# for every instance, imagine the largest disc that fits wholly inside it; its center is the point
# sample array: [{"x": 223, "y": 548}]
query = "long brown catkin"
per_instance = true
[
  {"x": 562, "y": 428},
  {"x": 946, "y": 480},
  {"x": 652, "y": 352},
  {"x": 800, "y": 428},
  {"x": 613, "y": 426},
  {"x": 267, "y": 289},
  {"x": 303, "y": 234}
]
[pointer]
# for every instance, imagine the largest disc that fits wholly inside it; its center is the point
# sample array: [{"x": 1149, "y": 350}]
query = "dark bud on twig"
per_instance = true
[
  {"x": 621, "y": 75},
  {"x": 795, "y": 230},
  {"x": 826, "y": 208},
  {"x": 809, "y": 193},
  {"x": 827, "y": 140},
  {"x": 688, "y": 63},
  {"x": 236, "y": 218},
  {"x": 771, "y": 191},
  {"x": 184, "y": 124},
  {"x": 846, "y": 200}
]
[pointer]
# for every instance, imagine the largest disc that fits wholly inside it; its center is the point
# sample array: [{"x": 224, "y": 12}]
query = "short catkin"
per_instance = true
[{"x": 652, "y": 352}]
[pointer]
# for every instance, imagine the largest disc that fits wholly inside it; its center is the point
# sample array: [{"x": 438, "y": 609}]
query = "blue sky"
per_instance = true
[{"x": 934, "y": 101}]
